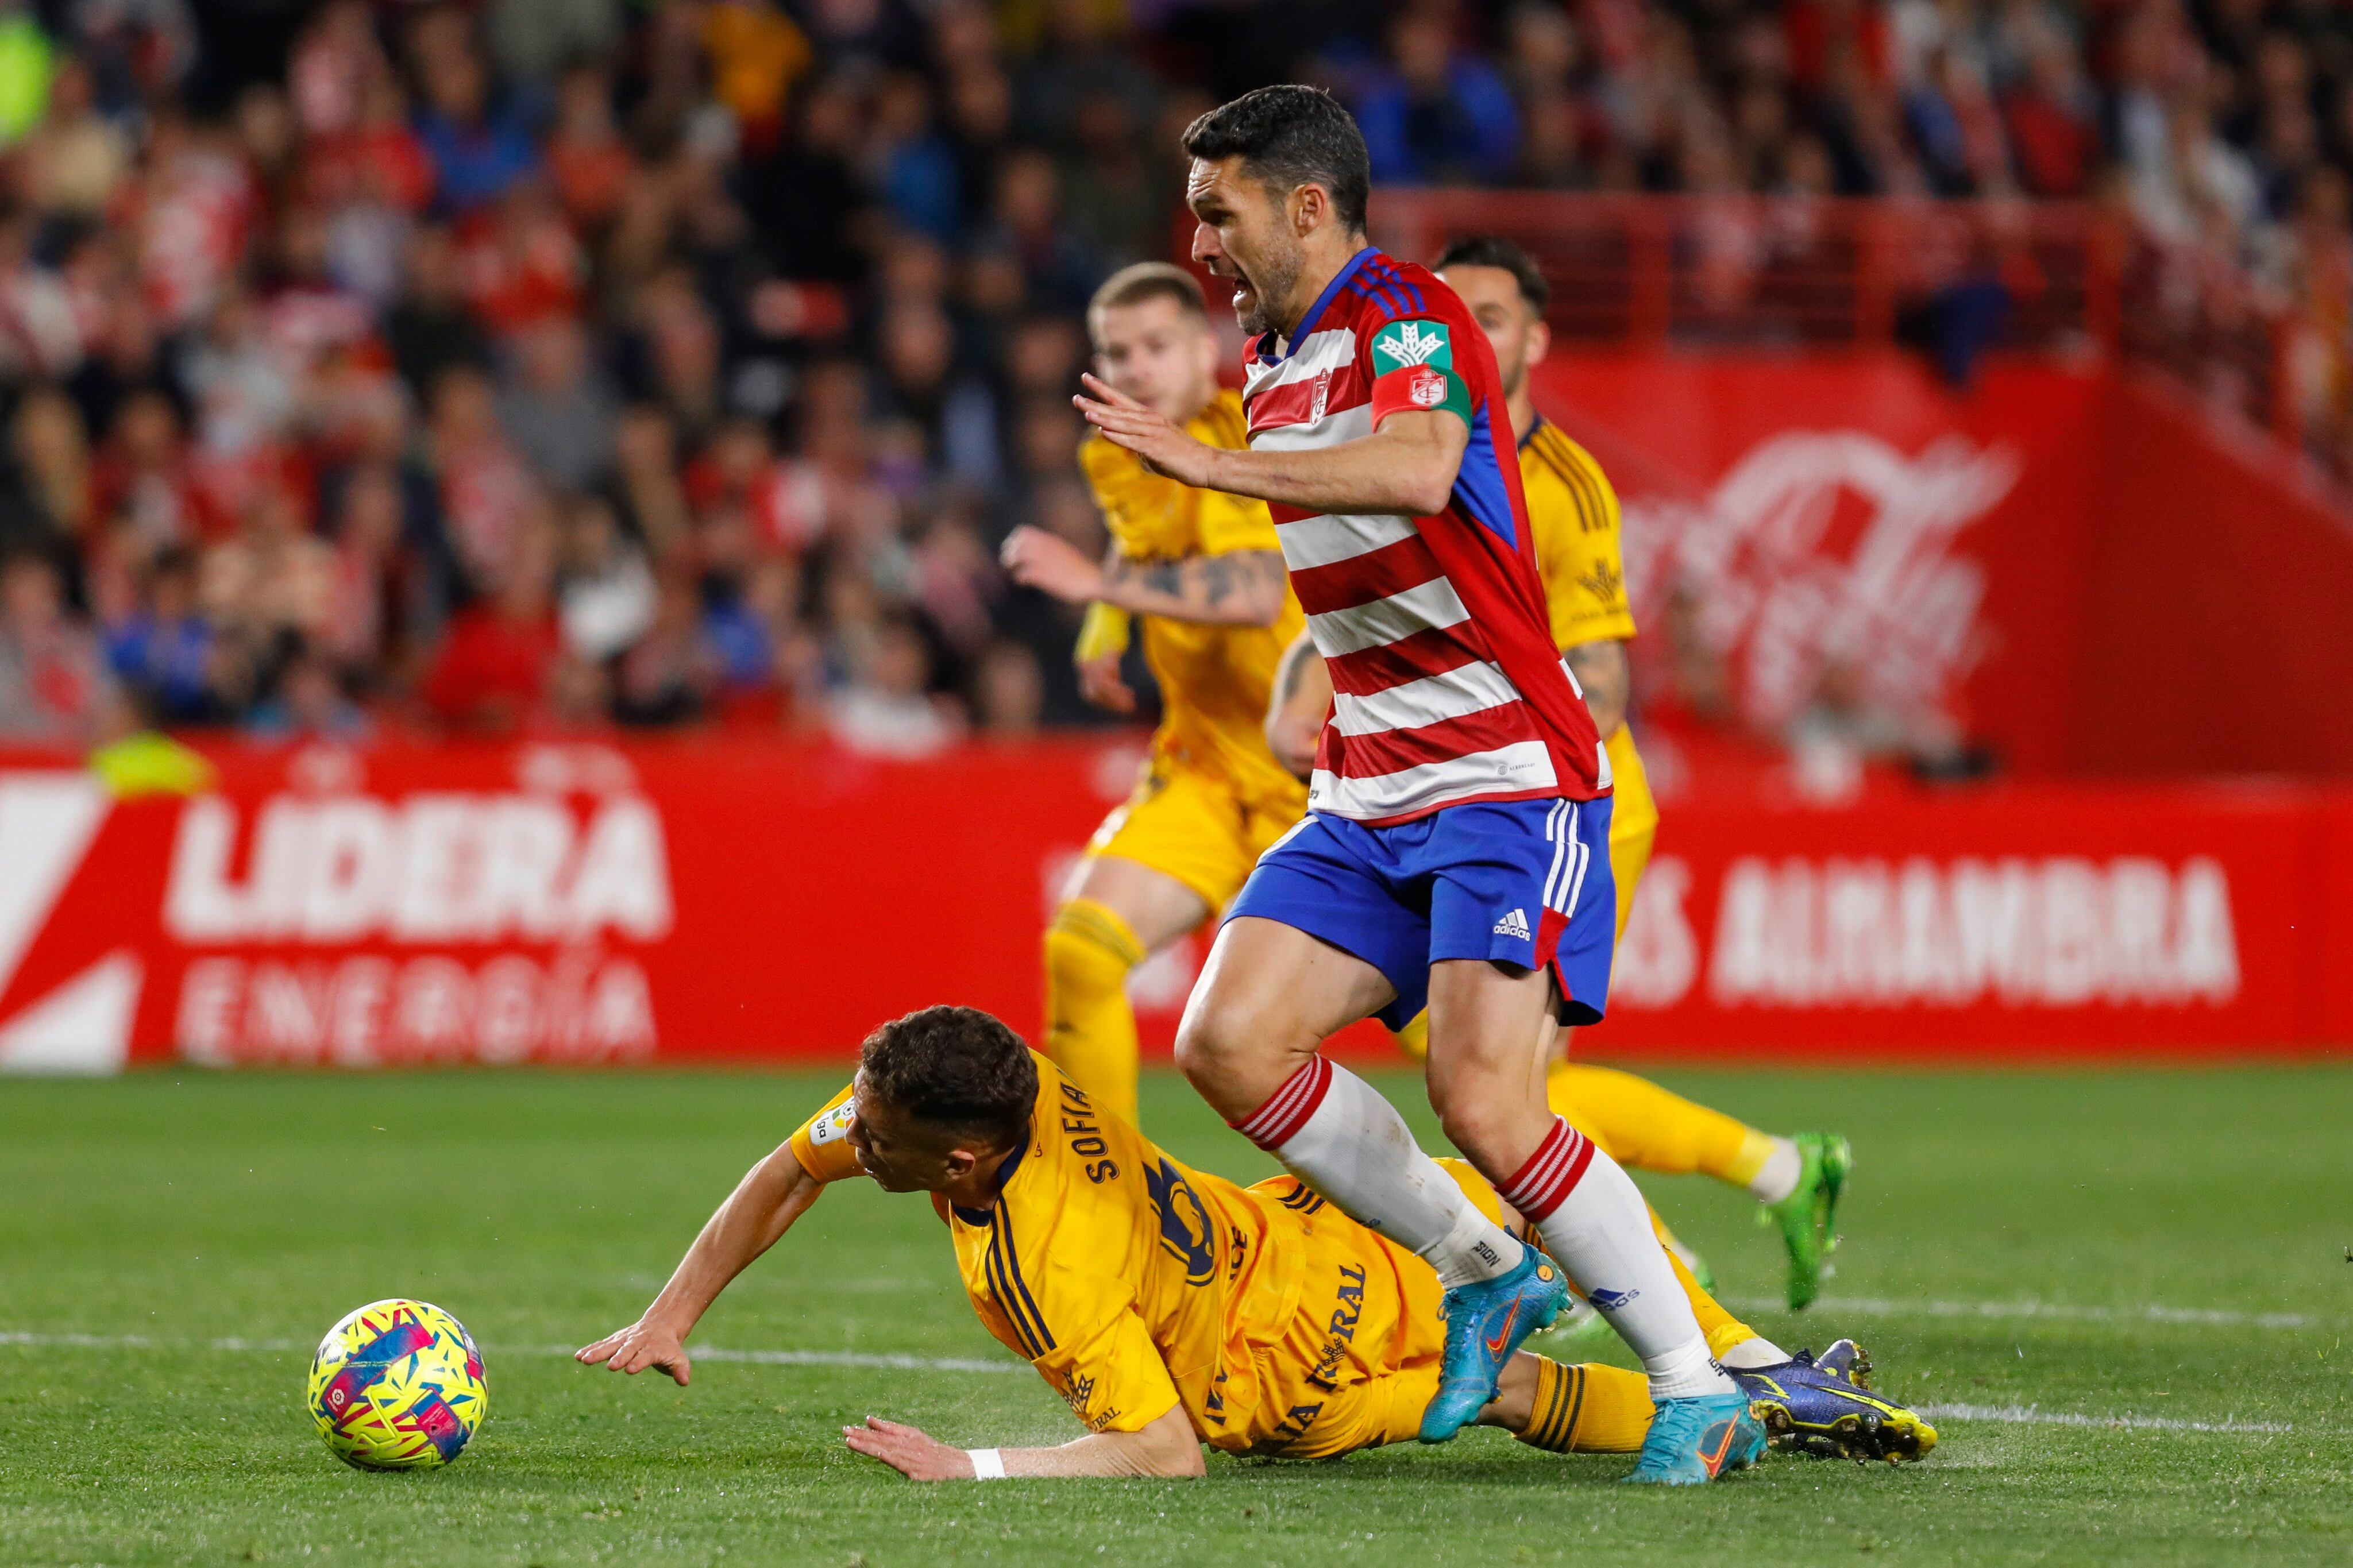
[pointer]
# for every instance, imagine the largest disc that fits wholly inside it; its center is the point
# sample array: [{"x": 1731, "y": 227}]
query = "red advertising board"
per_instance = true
[
  {"x": 709, "y": 899},
  {"x": 2067, "y": 562}
]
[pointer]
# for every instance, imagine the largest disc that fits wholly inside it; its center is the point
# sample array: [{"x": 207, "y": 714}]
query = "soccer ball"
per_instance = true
[{"x": 398, "y": 1385}]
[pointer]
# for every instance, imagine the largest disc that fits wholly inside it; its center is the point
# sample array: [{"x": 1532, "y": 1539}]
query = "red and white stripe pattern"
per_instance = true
[
  {"x": 1278, "y": 1122},
  {"x": 1423, "y": 715},
  {"x": 1551, "y": 1173}
]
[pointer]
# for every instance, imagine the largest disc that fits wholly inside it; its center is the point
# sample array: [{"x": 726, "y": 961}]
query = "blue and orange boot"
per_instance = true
[
  {"x": 1484, "y": 1325},
  {"x": 1693, "y": 1440},
  {"x": 1823, "y": 1405}
]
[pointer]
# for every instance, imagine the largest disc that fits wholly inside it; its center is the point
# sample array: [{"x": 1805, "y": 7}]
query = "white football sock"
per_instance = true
[
  {"x": 1778, "y": 1177},
  {"x": 1686, "y": 1373},
  {"x": 1749, "y": 1354},
  {"x": 1598, "y": 1230},
  {"x": 1333, "y": 1130}
]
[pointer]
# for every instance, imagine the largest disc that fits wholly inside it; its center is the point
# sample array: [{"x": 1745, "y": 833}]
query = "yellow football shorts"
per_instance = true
[
  {"x": 1190, "y": 823},
  {"x": 1361, "y": 1360}
]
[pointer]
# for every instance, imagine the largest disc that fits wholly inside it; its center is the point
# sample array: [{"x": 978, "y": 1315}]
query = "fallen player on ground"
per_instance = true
[{"x": 1170, "y": 1307}]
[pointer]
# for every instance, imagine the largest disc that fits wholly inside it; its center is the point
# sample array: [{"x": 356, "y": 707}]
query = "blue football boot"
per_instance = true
[
  {"x": 1692, "y": 1441},
  {"x": 1484, "y": 1324},
  {"x": 1823, "y": 1405}
]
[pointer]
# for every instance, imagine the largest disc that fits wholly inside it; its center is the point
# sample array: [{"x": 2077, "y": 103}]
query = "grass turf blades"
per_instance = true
[{"x": 545, "y": 1208}]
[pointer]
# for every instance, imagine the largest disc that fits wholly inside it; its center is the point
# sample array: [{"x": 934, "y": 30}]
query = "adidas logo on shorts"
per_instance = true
[{"x": 1513, "y": 924}]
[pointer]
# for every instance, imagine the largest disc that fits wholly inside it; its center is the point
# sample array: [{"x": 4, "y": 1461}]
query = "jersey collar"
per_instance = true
[
  {"x": 1315, "y": 312},
  {"x": 1534, "y": 425},
  {"x": 1004, "y": 1169}
]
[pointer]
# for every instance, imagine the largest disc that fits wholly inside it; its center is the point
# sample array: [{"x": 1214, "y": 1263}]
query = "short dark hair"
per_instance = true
[
  {"x": 1291, "y": 135},
  {"x": 958, "y": 1069},
  {"x": 1491, "y": 250}
]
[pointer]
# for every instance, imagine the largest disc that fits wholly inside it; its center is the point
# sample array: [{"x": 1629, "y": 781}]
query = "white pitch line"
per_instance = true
[
  {"x": 2011, "y": 1414},
  {"x": 889, "y": 1361},
  {"x": 2034, "y": 1416},
  {"x": 1880, "y": 1306}
]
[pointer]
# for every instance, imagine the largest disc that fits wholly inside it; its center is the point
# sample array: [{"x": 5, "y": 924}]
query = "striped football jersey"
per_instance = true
[{"x": 1447, "y": 686}]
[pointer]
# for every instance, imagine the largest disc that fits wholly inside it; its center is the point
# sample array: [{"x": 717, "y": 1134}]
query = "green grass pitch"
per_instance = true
[{"x": 2183, "y": 1232}]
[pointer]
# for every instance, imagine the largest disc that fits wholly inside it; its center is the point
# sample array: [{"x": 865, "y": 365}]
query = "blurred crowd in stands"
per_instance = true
[{"x": 550, "y": 365}]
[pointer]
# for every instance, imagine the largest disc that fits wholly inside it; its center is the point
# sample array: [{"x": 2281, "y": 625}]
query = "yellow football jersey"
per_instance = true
[
  {"x": 1134, "y": 1284},
  {"x": 1573, "y": 513},
  {"x": 1214, "y": 680}
]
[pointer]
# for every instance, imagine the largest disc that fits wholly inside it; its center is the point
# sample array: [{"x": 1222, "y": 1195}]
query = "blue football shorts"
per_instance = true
[{"x": 1524, "y": 882}]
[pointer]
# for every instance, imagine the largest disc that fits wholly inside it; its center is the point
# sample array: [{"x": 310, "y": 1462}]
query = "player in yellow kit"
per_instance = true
[
  {"x": 1170, "y": 1307},
  {"x": 1573, "y": 511},
  {"x": 1205, "y": 573}
]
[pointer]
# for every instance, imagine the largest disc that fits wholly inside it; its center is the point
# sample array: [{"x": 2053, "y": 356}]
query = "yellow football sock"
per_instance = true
[
  {"x": 1587, "y": 1409},
  {"x": 1090, "y": 1028},
  {"x": 1653, "y": 1128}
]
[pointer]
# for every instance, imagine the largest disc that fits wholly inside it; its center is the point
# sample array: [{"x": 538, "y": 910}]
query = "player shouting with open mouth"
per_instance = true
[{"x": 1456, "y": 850}]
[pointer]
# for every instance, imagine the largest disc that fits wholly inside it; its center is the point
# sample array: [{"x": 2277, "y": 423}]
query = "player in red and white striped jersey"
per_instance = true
[{"x": 1455, "y": 850}]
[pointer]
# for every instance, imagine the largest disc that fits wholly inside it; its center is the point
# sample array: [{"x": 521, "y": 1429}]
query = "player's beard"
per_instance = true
[{"x": 1272, "y": 278}]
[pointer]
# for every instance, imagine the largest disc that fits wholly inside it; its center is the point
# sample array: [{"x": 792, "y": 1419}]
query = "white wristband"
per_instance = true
[{"x": 987, "y": 1464}]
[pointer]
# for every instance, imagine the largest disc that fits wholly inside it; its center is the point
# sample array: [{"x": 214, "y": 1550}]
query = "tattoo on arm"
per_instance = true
[
  {"x": 1242, "y": 587},
  {"x": 1601, "y": 670},
  {"x": 1293, "y": 669}
]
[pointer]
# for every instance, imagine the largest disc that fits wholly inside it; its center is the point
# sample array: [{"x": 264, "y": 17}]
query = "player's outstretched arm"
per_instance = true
[
  {"x": 1232, "y": 588},
  {"x": 1164, "y": 1447},
  {"x": 763, "y": 1206},
  {"x": 1408, "y": 465},
  {"x": 1295, "y": 708}
]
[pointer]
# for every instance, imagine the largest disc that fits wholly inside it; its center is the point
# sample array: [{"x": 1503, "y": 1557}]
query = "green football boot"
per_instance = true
[{"x": 1808, "y": 1216}]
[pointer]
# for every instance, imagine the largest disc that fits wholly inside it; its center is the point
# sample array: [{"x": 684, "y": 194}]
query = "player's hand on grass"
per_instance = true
[
  {"x": 637, "y": 1347},
  {"x": 912, "y": 1453},
  {"x": 1161, "y": 442},
  {"x": 1051, "y": 565},
  {"x": 1100, "y": 683}
]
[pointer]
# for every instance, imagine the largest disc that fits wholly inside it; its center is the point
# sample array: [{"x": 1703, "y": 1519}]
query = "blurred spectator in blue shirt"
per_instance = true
[
  {"x": 479, "y": 151},
  {"x": 164, "y": 649},
  {"x": 1436, "y": 112}
]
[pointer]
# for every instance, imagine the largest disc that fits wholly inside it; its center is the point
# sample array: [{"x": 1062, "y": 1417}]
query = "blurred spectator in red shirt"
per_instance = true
[
  {"x": 2052, "y": 129},
  {"x": 487, "y": 493},
  {"x": 588, "y": 163},
  {"x": 142, "y": 474},
  {"x": 494, "y": 668},
  {"x": 53, "y": 687}
]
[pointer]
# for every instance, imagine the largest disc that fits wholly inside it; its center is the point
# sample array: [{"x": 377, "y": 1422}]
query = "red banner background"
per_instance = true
[
  {"x": 2094, "y": 576},
  {"x": 757, "y": 900}
]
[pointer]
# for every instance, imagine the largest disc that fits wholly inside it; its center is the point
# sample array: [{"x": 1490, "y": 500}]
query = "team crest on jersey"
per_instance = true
[
  {"x": 1410, "y": 343},
  {"x": 1185, "y": 1231},
  {"x": 1603, "y": 582},
  {"x": 1323, "y": 396}
]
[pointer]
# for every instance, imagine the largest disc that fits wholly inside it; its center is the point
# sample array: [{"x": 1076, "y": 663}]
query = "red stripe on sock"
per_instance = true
[
  {"x": 1537, "y": 1187},
  {"x": 1576, "y": 1166},
  {"x": 1287, "y": 1110}
]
